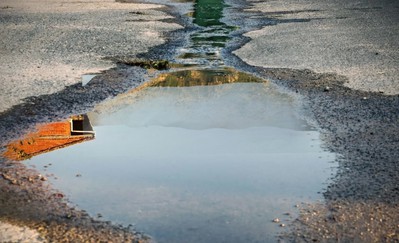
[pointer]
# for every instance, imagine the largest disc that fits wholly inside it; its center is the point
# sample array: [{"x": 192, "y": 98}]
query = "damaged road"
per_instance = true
[{"x": 351, "y": 98}]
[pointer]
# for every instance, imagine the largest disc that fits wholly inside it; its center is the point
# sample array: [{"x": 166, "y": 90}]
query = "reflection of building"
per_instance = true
[
  {"x": 50, "y": 137},
  {"x": 188, "y": 78},
  {"x": 182, "y": 78}
]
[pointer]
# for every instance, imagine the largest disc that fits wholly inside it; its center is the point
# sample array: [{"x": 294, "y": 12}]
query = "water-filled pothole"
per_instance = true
[
  {"x": 195, "y": 156},
  {"x": 208, "y": 155}
]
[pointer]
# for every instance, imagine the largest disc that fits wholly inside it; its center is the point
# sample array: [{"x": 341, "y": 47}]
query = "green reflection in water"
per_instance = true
[
  {"x": 187, "y": 78},
  {"x": 207, "y": 14}
]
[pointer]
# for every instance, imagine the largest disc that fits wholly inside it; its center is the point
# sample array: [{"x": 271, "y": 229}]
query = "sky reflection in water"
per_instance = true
[{"x": 195, "y": 164}]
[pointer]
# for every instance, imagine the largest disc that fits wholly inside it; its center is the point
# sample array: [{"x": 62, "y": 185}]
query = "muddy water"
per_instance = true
[{"x": 195, "y": 163}]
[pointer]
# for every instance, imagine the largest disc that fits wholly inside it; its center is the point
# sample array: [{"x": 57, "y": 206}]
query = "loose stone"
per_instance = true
[{"x": 276, "y": 220}]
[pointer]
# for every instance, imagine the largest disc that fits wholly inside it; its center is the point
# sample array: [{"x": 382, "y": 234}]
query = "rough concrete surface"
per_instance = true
[
  {"x": 355, "y": 39},
  {"x": 46, "y": 45}
]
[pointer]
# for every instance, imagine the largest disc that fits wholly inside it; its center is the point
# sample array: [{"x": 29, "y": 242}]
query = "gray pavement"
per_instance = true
[
  {"x": 354, "y": 39},
  {"x": 47, "y": 45}
]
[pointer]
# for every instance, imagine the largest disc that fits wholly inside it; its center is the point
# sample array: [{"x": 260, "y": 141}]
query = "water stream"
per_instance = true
[{"x": 208, "y": 154}]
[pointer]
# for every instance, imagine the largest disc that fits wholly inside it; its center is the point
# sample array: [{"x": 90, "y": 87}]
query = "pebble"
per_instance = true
[{"x": 276, "y": 220}]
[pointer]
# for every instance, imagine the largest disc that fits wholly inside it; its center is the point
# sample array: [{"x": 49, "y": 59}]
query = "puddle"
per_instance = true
[
  {"x": 207, "y": 155},
  {"x": 213, "y": 161}
]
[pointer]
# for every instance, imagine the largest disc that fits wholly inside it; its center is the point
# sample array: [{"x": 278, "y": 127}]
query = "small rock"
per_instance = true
[
  {"x": 327, "y": 89},
  {"x": 282, "y": 225},
  {"x": 276, "y": 220},
  {"x": 58, "y": 195}
]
